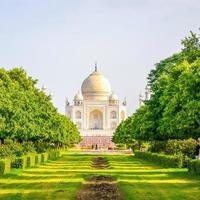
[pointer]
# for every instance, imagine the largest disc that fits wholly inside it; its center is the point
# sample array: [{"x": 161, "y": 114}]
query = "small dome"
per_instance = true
[
  {"x": 113, "y": 97},
  {"x": 78, "y": 97},
  {"x": 96, "y": 87}
]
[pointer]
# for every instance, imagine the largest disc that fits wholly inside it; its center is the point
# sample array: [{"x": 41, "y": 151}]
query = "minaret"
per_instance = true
[
  {"x": 147, "y": 92},
  {"x": 141, "y": 100},
  {"x": 66, "y": 102},
  {"x": 124, "y": 102},
  {"x": 95, "y": 67}
]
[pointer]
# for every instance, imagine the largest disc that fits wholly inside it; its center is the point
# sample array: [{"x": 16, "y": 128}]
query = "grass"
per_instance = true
[{"x": 61, "y": 179}]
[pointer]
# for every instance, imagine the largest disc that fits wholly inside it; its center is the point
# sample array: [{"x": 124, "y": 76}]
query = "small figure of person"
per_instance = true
[{"x": 197, "y": 151}]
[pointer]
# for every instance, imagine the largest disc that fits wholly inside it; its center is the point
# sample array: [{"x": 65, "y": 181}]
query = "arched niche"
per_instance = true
[
  {"x": 113, "y": 115},
  {"x": 96, "y": 120},
  {"x": 78, "y": 114}
]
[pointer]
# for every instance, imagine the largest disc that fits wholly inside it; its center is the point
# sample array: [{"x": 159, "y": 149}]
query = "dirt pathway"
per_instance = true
[{"x": 100, "y": 187}]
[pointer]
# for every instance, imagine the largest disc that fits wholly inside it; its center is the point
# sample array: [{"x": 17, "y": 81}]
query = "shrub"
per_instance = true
[
  {"x": 44, "y": 157},
  {"x": 58, "y": 154},
  {"x": 5, "y": 151},
  {"x": 161, "y": 159},
  {"x": 16, "y": 148},
  {"x": 20, "y": 162},
  {"x": 194, "y": 166},
  {"x": 5, "y": 166},
  {"x": 157, "y": 146},
  {"x": 30, "y": 160},
  {"x": 28, "y": 147},
  {"x": 185, "y": 147},
  {"x": 37, "y": 159},
  {"x": 53, "y": 155},
  {"x": 120, "y": 147},
  {"x": 42, "y": 147}
]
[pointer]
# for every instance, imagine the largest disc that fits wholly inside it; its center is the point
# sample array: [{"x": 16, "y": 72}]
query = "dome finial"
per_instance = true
[{"x": 95, "y": 66}]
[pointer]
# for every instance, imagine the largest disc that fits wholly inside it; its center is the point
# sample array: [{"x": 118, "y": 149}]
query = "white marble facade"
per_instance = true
[{"x": 96, "y": 111}]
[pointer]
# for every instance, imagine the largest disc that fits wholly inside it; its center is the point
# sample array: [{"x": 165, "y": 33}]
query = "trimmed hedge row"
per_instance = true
[
  {"x": 29, "y": 160},
  {"x": 5, "y": 166},
  {"x": 194, "y": 166},
  {"x": 161, "y": 159},
  {"x": 33, "y": 159}
]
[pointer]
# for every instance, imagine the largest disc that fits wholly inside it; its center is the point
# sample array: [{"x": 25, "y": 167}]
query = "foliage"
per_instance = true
[
  {"x": 37, "y": 159},
  {"x": 194, "y": 166},
  {"x": 173, "y": 111},
  {"x": 5, "y": 165},
  {"x": 28, "y": 116},
  {"x": 157, "y": 146},
  {"x": 120, "y": 147},
  {"x": 44, "y": 157},
  {"x": 19, "y": 162},
  {"x": 5, "y": 151},
  {"x": 185, "y": 147},
  {"x": 161, "y": 159},
  {"x": 11, "y": 148},
  {"x": 34, "y": 159},
  {"x": 30, "y": 160}
]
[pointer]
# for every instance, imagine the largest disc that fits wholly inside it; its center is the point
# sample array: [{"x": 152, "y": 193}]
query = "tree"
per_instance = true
[
  {"x": 173, "y": 111},
  {"x": 27, "y": 113}
]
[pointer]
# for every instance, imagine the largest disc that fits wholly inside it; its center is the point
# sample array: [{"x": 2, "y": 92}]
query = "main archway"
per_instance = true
[{"x": 96, "y": 120}]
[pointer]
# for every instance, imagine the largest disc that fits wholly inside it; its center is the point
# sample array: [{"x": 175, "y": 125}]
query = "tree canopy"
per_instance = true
[
  {"x": 28, "y": 114},
  {"x": 173, "y": 111}
]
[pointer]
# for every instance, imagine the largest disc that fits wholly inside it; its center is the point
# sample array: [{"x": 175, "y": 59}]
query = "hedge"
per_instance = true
[
  {"x": 20, "y": 162},
  {"x": 53, "y": 155},
  {"x": 194, "y": 166},
  {"x": 161, "y": 159},
  {"x": 38, "y": 159},
  {"x": 44, "y": 157},
  {"x": 32, "y": 160},
  {"x": 5, "y": 166}
]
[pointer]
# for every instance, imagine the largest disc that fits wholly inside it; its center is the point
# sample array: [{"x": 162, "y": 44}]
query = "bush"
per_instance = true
[
  {"x": 37, "y": 159},
  {"x": 20, "y": 162},
  {"x": 194, "y": 166},
  {"x": 161, "y": 159},
  {"x": 30, "y": 160},
  {"x": 15, "y": 148},
  {"x": 44, "y": 157},
  {"x": 185, "y": 147},
  {"x": 5, "y": 151},
  {"x": 53, "y": 155},
  {"x": 157, "y": 146},
  {"x": 120, "y": 147},
  {"x": 5, "y": 166},
  {"x": 58, "y": 154},
  {"x": 28, "y": 147},
  {"x": 42, "y": 147}
]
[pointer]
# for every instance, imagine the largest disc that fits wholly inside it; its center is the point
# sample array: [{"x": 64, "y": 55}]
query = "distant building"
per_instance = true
[
  {"x": 146, "y": 96},
  {"x": 96, "y": 111}
]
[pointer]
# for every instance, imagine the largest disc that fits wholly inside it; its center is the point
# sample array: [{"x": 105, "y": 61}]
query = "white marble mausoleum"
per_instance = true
[{"x": 96, "y": 111}]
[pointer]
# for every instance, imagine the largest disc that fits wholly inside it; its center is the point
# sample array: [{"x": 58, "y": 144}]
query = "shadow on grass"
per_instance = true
[{"x": 61, "y": 179}]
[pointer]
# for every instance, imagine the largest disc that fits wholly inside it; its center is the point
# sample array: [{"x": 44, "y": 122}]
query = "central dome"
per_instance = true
[{"x": 96, "y": 87}]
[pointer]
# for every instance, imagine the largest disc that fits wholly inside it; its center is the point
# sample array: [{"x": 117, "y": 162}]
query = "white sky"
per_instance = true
[{"x": 59, "y": 41}]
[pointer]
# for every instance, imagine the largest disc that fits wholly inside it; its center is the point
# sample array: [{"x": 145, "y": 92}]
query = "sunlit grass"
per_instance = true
[{"x": 61, "y": 179}]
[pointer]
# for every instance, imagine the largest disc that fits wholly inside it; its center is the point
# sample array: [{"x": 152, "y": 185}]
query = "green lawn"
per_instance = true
[{"x": 137, "y": 179}]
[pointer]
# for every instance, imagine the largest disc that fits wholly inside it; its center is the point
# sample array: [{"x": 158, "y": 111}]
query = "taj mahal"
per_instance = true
[{"x": 96, "y": 111}]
